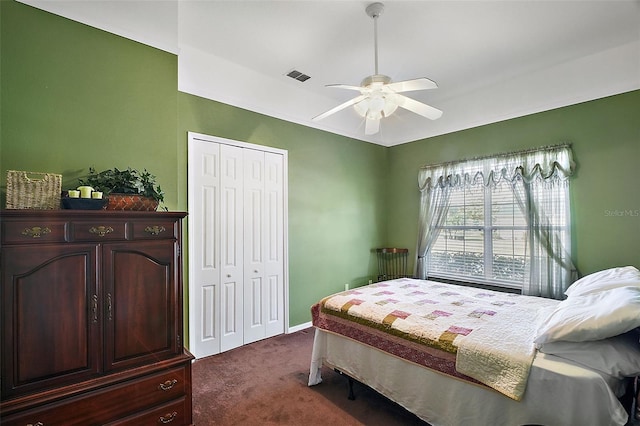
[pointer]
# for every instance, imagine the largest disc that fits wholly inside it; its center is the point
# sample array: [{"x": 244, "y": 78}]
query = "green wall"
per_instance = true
[
  {"x": 72, "y": 97},
  {"x": 75, "y": 97},
  {"x": 605, "y": 137}
]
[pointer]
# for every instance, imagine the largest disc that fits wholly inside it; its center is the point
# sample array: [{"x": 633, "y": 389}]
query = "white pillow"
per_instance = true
[
  {"x": 592, "y": 317},
  {"x": 617, "y": 356},
  {"x": 605, "y": 280}
]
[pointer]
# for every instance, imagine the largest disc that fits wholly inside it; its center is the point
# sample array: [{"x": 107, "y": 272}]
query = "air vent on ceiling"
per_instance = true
[{"x": 297, "y": 75}]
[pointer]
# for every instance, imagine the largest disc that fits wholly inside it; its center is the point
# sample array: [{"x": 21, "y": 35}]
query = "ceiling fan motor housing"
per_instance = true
[{"x": 375, "y": 80}]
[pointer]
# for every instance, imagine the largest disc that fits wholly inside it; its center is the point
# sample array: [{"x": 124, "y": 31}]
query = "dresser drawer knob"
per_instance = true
[
  {"x": 167, "y": 385},
  {"x": 101, "y": 231},
  {"x": 36, "y": 231},
  {"x": 35, "y": 424},
  {"x": 168, "y": 418},
  {"x": 154, "y": 230}
]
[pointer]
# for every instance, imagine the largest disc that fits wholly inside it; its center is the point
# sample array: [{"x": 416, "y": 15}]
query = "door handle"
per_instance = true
[
  {"x": 94, "y": 307},
  {"x": 109, "y": 307}
]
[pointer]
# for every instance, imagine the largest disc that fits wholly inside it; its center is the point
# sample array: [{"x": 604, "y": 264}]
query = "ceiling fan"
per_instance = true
[{"x": 379, "y": 96}]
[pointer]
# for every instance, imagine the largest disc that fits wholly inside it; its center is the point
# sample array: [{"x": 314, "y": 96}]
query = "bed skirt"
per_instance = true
[{"x": 558, "y": 392}]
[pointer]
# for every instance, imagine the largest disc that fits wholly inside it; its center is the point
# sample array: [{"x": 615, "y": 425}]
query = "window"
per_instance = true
[
  {"x": 483, "y": 238},
  {"x": 501, "y": 220}
]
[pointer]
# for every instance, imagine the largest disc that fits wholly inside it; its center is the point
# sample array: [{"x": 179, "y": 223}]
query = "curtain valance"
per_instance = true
[{"x": 547, "y": 164}]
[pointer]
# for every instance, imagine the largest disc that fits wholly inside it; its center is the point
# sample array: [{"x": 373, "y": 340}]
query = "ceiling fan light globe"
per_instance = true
[
  {"x": 362, "y": 107},
  {"x": 377, "y": 106},
  {"x": 374, "y": 115},
  {"x": 390, "y": 103},
  {"x": 389, "y": 108},
  {"x": 377, "y": 103}
]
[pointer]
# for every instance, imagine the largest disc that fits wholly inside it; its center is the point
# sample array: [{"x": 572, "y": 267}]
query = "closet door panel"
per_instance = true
[
  {"x": 231, "y": 241},
  {"x": 273, "y": 302},
  {"x": 254, "y": 245},
  {"x": 204, "y": 278}
]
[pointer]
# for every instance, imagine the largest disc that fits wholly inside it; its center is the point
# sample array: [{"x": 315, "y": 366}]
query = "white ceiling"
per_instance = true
[{"x": 492, "y": 60}]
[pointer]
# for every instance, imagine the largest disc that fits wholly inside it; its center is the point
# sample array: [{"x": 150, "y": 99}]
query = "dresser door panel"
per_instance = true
[
  {"x": 141, "y": 303},
  {"x": 50, "y": 316}
]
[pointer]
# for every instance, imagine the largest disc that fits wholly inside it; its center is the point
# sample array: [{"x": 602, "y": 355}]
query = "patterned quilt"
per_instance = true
[{"x": 429, "y": 316}]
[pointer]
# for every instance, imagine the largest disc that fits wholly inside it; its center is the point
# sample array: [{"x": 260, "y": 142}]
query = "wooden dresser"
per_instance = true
[{"x": 91, "y": 319}]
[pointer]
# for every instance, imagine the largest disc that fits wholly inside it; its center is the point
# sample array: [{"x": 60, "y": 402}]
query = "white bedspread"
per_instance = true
[{"x": 500, "y": 357}]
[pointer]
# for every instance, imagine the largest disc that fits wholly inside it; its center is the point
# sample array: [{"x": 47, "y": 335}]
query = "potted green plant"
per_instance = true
[{"x": 127, "y": 189}]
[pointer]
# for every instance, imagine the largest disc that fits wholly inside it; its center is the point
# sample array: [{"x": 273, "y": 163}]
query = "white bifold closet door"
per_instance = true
[{"x": 237, "y": 245}]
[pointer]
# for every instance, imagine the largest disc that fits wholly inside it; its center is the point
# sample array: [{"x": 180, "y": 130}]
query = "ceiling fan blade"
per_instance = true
[
  {"x": 371, "y": 126},
  {"x": 345, "y": 86},
  {"x": 418, "y": 107},
  {"x": 411, "y": 85},
  {"x": 339, "y": 107}
]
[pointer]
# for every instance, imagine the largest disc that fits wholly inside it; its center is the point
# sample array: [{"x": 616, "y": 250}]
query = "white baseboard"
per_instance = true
[{"x": 299, "y": 327}]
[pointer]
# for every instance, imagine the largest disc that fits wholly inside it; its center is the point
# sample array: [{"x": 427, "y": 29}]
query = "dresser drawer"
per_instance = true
[
  {"x": 33, "y": 231},
  {"x": 154, "y": 229},
  {"x": 174, "y": 413},
  {"x": 112, "y": 403},
  {"x": 98, "y": 231}
]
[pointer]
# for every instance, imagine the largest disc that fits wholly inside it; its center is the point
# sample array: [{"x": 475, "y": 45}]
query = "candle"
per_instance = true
[{"x": 85, "y": 191}]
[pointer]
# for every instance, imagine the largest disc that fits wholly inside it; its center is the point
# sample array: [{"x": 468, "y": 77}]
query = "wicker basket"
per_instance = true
[
  {"x": 131, "y": 202},
  {"x": 33, "y": 190}
]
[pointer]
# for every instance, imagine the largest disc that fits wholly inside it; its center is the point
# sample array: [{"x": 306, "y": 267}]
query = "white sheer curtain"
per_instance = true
[
  {"x": 540, "y": 179},
  {"x": 549, "y": 266},
  {"x": 434, "y": 204}
]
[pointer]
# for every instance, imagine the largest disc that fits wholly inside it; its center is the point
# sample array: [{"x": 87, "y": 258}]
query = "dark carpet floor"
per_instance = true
[{"x": 265, "y": 383}]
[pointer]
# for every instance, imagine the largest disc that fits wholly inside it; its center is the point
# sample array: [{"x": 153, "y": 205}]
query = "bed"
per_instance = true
[{"x": 456, "y": 355}]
